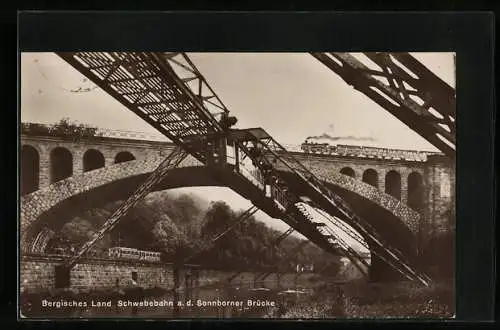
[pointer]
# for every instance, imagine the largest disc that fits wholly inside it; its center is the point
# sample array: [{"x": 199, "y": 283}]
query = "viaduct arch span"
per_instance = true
[
  {"x": 119, "y": 180},
  {"x": 155, "y": 66}
]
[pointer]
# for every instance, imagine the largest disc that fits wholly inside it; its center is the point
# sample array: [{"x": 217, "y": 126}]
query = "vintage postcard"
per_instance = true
[{"x": 237, "y": 185}]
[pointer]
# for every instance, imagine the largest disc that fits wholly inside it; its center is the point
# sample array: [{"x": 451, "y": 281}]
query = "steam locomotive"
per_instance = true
[{"x": 322, "y": 148}]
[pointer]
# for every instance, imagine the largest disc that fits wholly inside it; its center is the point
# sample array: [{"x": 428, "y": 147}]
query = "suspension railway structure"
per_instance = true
[{"x": 168, "y": 92}]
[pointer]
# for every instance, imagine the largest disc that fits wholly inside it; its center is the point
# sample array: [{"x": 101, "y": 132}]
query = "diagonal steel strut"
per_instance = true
[
  {"x": 348, "y": 251},
  {"x": 268, "y": 152},
  {"x": 296, "y": 215},
  {"x": 152, "y": 86},
  {"x": 242, "y": 217},
  {"x": 274, "y": 247},
  {"x": 280, "y": 238},
  {"x": 148, "y": 85},
  {"x": 170, "y": 162},
  {"x": 405, "y": 88}
]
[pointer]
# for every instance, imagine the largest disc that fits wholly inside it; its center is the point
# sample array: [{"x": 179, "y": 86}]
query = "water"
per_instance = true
[
  {"x": 328, "y": 300},
  {"x": 233, "y": 301}
]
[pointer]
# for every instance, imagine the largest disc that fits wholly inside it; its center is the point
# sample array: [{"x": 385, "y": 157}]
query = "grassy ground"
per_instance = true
[
  {"x": 328, "y": 300},
  {"x": 365, "y": 300},
  {"x": 400, "y": 300}
]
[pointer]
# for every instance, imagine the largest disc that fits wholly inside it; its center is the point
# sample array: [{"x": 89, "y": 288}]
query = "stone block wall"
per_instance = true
[
  {"x": 438, "y": 176},
  {"x": 37, "y": 273},
  {"x": 104, "y": 275},
  {"x": 329, "y": 175},
  {"x": 440, "y": 196},
  {"x": 42, "y": 200},
  {"x": 108, "y": 147},
  {"x": 333, "y": 164}
]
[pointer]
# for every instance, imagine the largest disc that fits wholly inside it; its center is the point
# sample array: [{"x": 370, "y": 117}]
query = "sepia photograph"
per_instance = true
[{"x": 237, "y": 185}]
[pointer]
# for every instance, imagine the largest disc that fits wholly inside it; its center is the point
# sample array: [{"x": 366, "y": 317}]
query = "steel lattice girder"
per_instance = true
[
  {"x": 290, "y": 214},
  {"x": 150, "y": 77},
  {"x": 405, "y": 88},
  {"x": 296, "y": 216},
  {"x": 164, "y": 89},
  {"x": 273, "y": 152},
  {"x": 170, "y": 162},
  {"x": 147, "y": 84}
]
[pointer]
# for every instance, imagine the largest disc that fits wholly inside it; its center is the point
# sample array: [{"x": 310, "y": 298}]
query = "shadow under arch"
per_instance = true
[
  {"x": 30, "y": 169},
  {"x": 123, "y": 184},
  {"x": 370, "y": 176},
  {"x": 92, "y": 160},
  {"x": 348, "y": 171},
  {"x": 123, "y": 156}
]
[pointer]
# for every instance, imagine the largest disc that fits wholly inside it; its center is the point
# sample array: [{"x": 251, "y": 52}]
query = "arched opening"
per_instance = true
[
  {"x": 393, "y": 184},
  {"x": 370, "y": 176},
  {"x": 415, "y": 191},
  {"x": 30, "y": 169},
  {"x": 61, "y": 164},
  {"x": 92, "y": 160},
  {"x": 123, "y": 156},
  {"x": 348, "y": 171}
]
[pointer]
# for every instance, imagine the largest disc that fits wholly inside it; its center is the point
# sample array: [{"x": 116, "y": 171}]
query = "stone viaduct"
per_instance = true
[{"x": 418, "y": 190}]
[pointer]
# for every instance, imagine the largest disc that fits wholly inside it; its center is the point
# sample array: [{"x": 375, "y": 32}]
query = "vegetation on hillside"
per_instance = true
[
  {"x": 184, "y": 226},
  {"x": 64, "y": 128}
]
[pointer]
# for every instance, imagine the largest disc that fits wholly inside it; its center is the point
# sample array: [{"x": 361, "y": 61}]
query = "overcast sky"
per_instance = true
[{"x": 290, "y": 95}]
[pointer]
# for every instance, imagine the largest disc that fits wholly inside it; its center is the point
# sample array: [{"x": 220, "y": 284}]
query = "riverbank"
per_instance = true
[
  {"x": 318, "y": 300},
  {"x": 373, "y": 300}
]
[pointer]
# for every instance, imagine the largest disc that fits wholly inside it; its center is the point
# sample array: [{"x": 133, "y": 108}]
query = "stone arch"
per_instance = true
[
  {"x": 35, "y": 206},
  {"x": 92, "y": 160},
  {"x": 44, "y": 207},
  {"x": 393, "y": 184},
  {"x": 61, "y": 164},
  {"x": 124, "y": 156},
  {"x": 415, "y": 191},
  {"x": 370, "y": 176},
  {"x": 30, "y": 170},
  {"x": 348, "y": 171}
]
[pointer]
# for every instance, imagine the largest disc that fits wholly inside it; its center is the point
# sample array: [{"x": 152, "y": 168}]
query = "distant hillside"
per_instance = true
[{"x": 183, "y": 225}]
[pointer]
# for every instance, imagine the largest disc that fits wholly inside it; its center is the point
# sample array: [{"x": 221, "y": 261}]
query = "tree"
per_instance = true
[
  {"x": 180, "y": 227},
  {"x": 64, "y": 128},
  {"x": 174, "y": 241},
  {"x": 217, "y": 218},
  {"x": 79, "y": 230}
]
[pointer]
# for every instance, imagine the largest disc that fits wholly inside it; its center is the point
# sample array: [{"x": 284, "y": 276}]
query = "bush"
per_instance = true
[{"x": 62, "y": 129}]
